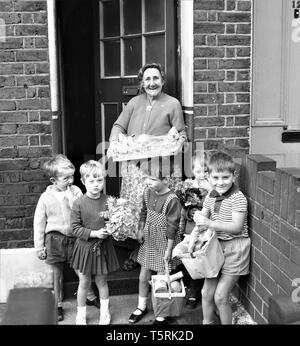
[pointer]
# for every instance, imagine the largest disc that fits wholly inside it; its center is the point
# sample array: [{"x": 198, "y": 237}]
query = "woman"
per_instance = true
[{"x": 152, "y": 112}]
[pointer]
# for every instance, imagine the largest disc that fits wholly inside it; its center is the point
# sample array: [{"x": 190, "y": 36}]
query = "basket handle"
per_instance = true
[{"x": 168, "y": 278}]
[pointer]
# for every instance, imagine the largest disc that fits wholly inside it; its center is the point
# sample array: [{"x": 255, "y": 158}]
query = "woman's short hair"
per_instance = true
[
  {"x": 221, "y": 162},
  {"x": 57, "y": 165},
  {"x": 145, "y": 67},
  {"x": 92, "y": 168}
]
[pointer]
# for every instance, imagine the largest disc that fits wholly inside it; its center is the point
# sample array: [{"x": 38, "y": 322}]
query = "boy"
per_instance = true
[
  {"x": 53, "y": 238},
  {"x": 225, "y": 211}
]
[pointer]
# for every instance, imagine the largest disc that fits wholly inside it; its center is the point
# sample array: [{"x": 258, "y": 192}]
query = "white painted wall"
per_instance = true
[{"x": 22, "y": 268}]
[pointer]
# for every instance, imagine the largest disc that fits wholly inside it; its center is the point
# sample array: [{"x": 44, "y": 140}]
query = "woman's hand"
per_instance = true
[{"x": 113, "y": 148}]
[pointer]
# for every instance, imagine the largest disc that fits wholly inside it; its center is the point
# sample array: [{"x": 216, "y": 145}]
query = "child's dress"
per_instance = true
[
  {"x": 162, "y": 213},
  {"x": 91, "y": 256}
]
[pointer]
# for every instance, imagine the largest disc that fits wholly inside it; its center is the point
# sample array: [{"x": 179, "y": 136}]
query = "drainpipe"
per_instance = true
[
  {"x": 54, "y": 77},
  {"x": 187, "y": 64}
]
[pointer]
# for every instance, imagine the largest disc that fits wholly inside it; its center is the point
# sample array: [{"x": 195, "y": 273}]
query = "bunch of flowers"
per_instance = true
[
  {"x": 122, "y": 218},
  {"x": 189, "y": 193}
]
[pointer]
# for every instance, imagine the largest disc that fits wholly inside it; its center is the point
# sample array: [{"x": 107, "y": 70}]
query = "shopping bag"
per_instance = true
[{"x": 207, "y": 259}]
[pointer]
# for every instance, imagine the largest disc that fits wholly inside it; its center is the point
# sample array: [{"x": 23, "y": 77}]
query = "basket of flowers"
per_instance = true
[{"x": 121, "y": 218}]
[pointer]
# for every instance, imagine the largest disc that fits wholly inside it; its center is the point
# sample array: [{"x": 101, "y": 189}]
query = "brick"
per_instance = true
[
  {"x": 27, "y": 18},
  {"x": 281, "y": 279},
  {"x": 10, "y": 177},
  {"x": 34, "y": 140},
  {"x": 210, "y": 52},
  {"x": 12, "y": 93},
  {"x": 34, "y": 151},
  {"x": 32, "y": 55},
  {"x": 209, "y": 5},
  {"x": 40, "y": 18},
  {"x": 209, "y": 75},
  {"x": 33, "y": 104},
  {"x": 199, "y": 40},
  {"x": 10, "y": 141},
  {"x": 295, "y": 255},
  {"x": 263, "y": 230},
  {"x": 243, "y": 29},
  {"x": 211, "y": 40},
  {"x": 234, "y": 40},
  {"x": 46, "y": 140},
  {"x": 234, "y": 17},
  {"x": 262, "y": 261},
  {"x": 243, "y": 52},
  {"x": 244, "y": 5},
  {"x": 42, "y": 67},
  {"x": 8, "y": 129},
  {"x": 230, "y": 75},
  {"x": 230, "y": 5},
  {"x": 33, "y": 80},
  {"x": 7, "y": 56},
  {"x": 266, "y": 181},
  {"x": 209, "y": 28},
  {"x": 242, "y": 120},
  {"x": 212, "y": 64},
  {"x": 200, "y": 133},
  {"x": 211, "y": 144},
  {"x": 287, "y": 232},
  {"x": 13, "y": 164},
  {"x": 31, "y": 30},
  {"x": 7, "y": 81},
  {"x": 232, "y": 132},
  {"x": 274, "y": 255},
  {"x": 230, "y": 28},
  {"x": 211, "y": 110},
  {"x": 200, "y": 110},
  {"x": 233, "y": 109},
  {"x": 11, "y": 43},
  {"x": 255, "y": 299},
  {"x": 268, "y": 282},
  {"x": 15, "y": 235},
  {"x": 8, "y": 153},
  {"x": 229, "y": 98},
  {"x": 291, "y": 269},
  {"x": 30, "y": 6},
  {"x": 34, "y": 128},
  {"x": 234, "y": 63},
  {"x": 243, "y": 75},
  {"x": 200, "y": 87},
  {"x": 10, "y": 68},
  {"x": 209, "y": 121},
  {"x": 234, "y": 87},
  {"x": 256, "y": 240},
  {"x": 208, "y": 98},
  {"x": 240, "y": 98},
  {"x": 280, "y": 243},
  {"x": 200, "y": 64},
  {"x": 200, "y": 16}
]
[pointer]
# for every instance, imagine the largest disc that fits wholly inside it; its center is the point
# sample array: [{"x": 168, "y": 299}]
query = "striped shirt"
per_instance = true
[{"x": 235, "y": 201}]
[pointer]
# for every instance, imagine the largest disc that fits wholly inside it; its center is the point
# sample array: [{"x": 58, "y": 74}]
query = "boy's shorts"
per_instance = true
[
  {"x": 236, "y": 256},
  {"x": 59, "y": 248}
]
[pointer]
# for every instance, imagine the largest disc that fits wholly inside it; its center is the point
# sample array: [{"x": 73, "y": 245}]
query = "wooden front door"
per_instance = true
[
  {"x": 275, "y": 102},
  {"x": 131, "y": 33}
]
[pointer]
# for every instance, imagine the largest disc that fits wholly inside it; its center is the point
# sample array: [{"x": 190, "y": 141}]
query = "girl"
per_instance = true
[
  {"x": 158, "y": 232},
  {"x": 93, "y": 253}
]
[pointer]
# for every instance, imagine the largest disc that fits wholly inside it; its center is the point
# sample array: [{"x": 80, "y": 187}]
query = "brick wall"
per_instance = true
[
  {"x": 274, "y": 224},
  {"x": 222, "y": 36},
  {"x": 25, "y": 127}
]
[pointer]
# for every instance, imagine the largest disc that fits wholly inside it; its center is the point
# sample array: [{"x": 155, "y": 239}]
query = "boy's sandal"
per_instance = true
[{"x": 133, "y": 318}]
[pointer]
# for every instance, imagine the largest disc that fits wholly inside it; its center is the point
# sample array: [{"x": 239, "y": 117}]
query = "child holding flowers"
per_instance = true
[
  {"x": 192, "y": 193},
  {"x": 158, "y": 231},
  {"x": 93, "y": 252}
]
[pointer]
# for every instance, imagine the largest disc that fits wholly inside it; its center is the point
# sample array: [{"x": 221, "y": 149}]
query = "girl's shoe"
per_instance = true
[
  {"x": 105, "y": 318},
  {"x": 161, "y": 322},
  {"x": 80, "y": 320}
]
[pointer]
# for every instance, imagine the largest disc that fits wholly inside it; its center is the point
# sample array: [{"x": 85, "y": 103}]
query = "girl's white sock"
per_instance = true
[
  {"x": 81, "y": 311},
  {"x": 104, "y": 304},
  {"x": 142, "y": 303}
]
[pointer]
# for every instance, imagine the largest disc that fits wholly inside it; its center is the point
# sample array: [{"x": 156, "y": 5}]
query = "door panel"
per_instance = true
[
  {"x": 276, "y": 73},
  {"x": 131, "y": 33}
]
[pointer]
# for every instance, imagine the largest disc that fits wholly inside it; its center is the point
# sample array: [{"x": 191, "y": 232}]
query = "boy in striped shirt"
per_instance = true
[{"x": 225, "y": 211}]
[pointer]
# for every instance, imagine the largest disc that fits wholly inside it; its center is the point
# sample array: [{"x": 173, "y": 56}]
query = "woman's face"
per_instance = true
[{"x": 152, "y": 82}]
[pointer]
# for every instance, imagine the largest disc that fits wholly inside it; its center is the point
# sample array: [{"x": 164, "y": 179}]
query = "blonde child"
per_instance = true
[
  {"x": 158, "y": 231},
  {"x": 53, "y": 237},
  {"x": 93, "y": 254},
  {"x": 225, "y": 211},
  {"x": 194, "y": 201}
]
